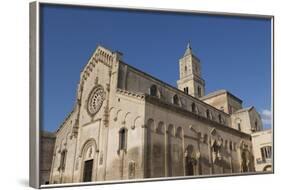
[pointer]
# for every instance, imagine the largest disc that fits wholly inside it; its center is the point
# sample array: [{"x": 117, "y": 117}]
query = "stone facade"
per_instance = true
[
  {"x": 127, "y": 124},
  {"x": 263, "y": 150},
  {"x": 47, "y": 143}
]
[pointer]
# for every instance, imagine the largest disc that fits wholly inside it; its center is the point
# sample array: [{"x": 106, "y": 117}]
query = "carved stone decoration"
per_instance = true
[
  {"x": 90, "y": 152},
  {"x": 77, "y": 164},
  {"x": 96, "y": 80},
  {"x": 101, "y": 158},
  {"x": 95, "y": 100}
]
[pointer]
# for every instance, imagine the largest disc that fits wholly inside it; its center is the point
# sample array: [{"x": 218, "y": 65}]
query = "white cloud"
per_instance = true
[{"x": 266, "y": 117}]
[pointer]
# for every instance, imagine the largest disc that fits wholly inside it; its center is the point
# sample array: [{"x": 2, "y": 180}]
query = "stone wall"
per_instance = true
[
  {"x": 133, "y": 80},
  {"x": 47, "y": 143},
  {"x": 166, "y": 132},
  {"x": 65, "y": 141},
  {"x": 260, "y": 140},
  {"x": 181, "y": 130}
]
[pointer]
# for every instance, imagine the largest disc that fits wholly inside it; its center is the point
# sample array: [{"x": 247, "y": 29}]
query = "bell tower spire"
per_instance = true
[
  {"x": 190, "y": 74},
  {"x": 188, "y": 49}
]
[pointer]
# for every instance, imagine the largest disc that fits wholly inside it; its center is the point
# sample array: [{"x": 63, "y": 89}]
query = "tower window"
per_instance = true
[
  {"x": 185, "y": 90},
  {"x": 199, "y": 91},
  {"x": 185, "y": 68},
  {"x": 122, "y": 139}
]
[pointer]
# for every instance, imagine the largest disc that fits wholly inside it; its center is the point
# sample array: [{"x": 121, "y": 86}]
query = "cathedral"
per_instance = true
[{"x": 129, "y": 125}]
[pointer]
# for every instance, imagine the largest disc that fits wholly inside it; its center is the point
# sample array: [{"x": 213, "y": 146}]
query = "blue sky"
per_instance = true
[{"x": 235, "y": 52}]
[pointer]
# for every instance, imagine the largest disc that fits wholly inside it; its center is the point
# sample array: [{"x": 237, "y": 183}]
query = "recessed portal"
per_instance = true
[{"x": 88, "y": 170}]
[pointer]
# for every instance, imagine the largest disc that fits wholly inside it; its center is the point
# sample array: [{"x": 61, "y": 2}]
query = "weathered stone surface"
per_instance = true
[
  {"x": 47, "y": 143},
  {"x": 144, "y": 127}
]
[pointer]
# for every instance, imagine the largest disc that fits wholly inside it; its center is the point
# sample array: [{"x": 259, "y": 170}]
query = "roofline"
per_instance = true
[
  {"x": 174, "y": 88},
  {"x": 48, "y": 134},
  {"x": 255, "y": 134},
  {"x": 244, "y": 110},
  {"x": 157, "y": 101},
  {"x": 219, "y": 93}
]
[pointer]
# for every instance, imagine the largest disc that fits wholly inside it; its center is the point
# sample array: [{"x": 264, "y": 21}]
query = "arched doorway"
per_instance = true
[
  {"x": 88, "y": 170},
  {"x": 88, "y": 157}
]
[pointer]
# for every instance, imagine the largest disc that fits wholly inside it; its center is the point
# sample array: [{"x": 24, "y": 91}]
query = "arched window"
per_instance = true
[
  {"x": 230, "y": 145},
  {"x": 220, "y": 119},
  {"x": 225, "y": 144},
  {"x": 179, "y": 132},
  {"x": 193, "y": 107},
  {"x": 176, "y": 100},
  {"x": 153, "y": 90},
  {"x": 159, "y": 128},
  {"x": 234, "y": 146},
  {"x": 208, "y": 114},
  {"x": 63, "y": 160},
  {"x": 122, "y": 139}
]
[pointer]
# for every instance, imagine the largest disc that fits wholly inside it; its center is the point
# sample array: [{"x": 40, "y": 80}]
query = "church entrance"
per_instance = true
[{"x": 88, "y": 170}]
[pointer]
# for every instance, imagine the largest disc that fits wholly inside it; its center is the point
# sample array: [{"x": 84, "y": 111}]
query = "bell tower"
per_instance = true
[{"x": 190, "y": 74}]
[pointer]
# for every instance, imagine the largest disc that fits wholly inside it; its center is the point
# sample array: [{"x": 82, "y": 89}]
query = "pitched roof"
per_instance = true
[
  {"x": 245, "y": 109},
  {"x": 219, "y": 92}
]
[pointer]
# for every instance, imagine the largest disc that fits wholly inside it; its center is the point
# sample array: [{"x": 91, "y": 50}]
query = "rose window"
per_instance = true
[{"x": 95, "y": 100}]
